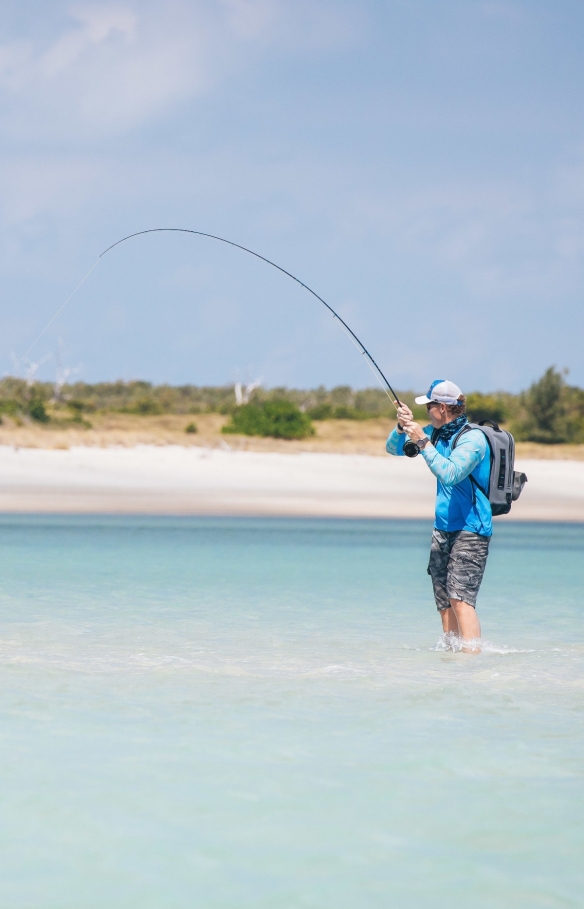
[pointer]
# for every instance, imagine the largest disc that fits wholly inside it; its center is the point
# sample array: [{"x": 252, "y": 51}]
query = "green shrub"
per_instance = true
[
  {"x": 328, "y": 412},
  {"x": 191, "y": 427},
  {"x": 373, "y": 402},
  {"x": 543, "y": 416},
  {"x": 485, "y": 407},
  {"x": 37, "y": 411},
  {"x": 277, "y": 418},
  {"x": 320, "y": 412},
  {"x": 351, "y": 413},
  {"x": 145, "y": 407},
  {"x": 77, "y": 407},
  {"x": 551, "y": 411},
  {"x": 10, "y": 407}
]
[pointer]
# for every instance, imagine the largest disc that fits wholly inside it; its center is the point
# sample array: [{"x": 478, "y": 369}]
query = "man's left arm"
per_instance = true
[{"x": 461, "y": 462}]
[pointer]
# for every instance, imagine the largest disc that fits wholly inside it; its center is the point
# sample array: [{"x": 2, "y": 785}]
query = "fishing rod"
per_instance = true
[{"x": 377, "y": 372}]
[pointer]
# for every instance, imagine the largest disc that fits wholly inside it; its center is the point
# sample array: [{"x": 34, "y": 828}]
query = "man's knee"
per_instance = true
[{"x": 460, "y": 607}]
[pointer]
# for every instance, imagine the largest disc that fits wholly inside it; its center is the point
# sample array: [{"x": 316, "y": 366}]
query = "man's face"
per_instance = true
[{"x": 437, "y": 414}]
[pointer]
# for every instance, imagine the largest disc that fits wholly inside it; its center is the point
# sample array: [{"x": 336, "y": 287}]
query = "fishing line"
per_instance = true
[
  {"x": 377, "y": 372},
  {"x": 363, "y": 352},
  {"x": 350, "y": 333},
  {"x": 50, "y": 322}
]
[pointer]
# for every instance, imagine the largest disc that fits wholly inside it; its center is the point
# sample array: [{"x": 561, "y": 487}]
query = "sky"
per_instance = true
[{"x": 418, "y": 163}]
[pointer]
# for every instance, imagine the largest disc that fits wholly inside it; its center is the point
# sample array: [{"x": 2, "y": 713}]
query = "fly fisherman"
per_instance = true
[{"x": 463, "y": 524}]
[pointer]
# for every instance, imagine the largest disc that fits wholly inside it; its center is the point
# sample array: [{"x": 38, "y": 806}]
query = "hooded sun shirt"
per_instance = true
[{"x": 460, "y": 505}]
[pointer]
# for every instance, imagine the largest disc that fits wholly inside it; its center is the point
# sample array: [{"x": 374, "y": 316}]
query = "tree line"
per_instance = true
[{"x": 550, "y": 411}]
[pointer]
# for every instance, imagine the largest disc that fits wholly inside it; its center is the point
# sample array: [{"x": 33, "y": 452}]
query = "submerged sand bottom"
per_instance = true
[{"x": 177, "y": 480}]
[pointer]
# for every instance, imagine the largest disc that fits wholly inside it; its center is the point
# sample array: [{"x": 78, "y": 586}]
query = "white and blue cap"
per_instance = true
[{"x": 442, "y": 391}]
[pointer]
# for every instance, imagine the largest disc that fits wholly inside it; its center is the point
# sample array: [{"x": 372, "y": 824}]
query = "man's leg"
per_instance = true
[
  {"x": 438, "y": 571},
  {"x": 449, "y": 621},
  {"x": 469, "y": 626},
  {"x": 466, "y": 566}
]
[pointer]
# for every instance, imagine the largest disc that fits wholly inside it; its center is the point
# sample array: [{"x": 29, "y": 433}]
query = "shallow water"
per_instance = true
[{"x": 221, "y": 713}]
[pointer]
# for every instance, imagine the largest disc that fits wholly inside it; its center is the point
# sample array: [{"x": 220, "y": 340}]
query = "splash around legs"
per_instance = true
[{"x": 461, "y": 625}]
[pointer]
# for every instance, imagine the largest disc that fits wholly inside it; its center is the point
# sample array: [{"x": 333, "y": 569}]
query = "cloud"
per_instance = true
[
  {"x": 94, "y": 72},
  {"x": 34, "y": 186},
  {"x": 312, "y": 24},
  {"x": 111, "y": 69},
  {"x": 95, "y": 25},
  {"x": 498, "y": 237},
  {"x": 115, "y": 67},
  {"x": 250, "y": 18}
]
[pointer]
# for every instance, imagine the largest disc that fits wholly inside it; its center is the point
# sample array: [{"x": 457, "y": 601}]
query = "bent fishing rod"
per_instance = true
[{"x": 377, "y": 372}]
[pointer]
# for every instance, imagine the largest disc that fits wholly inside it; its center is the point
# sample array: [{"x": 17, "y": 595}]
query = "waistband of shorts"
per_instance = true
[{"x": 453, "y": 533}]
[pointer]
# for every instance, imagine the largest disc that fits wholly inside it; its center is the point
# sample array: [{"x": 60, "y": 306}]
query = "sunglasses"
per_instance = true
[{"x": 432, "y": 404}]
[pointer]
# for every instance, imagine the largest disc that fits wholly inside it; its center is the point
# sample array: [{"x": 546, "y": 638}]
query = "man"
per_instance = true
[{"x": 463, "y": 525}]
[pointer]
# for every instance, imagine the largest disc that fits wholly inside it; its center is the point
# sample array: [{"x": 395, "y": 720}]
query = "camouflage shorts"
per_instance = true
[{"x": 456, "y": 566}]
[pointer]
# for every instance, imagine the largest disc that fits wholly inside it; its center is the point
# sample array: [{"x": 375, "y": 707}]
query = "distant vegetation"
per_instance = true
[
  {"x": 278, "y": 418},
  {"x": 550, "y": 411}
]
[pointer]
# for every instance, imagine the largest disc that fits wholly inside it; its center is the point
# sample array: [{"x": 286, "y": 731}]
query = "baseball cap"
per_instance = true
[{"x": 442, "y": 391}]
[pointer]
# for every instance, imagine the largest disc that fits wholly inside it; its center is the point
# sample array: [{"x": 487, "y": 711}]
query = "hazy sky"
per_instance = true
[{"x": 419, "y": 163}]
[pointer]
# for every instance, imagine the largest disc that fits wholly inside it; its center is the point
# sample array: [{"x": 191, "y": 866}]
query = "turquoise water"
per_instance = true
[{"x": 219, "y": 713}]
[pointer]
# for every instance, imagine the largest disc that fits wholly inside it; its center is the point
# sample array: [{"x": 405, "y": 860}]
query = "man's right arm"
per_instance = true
[{"x": 395, "y": 442}]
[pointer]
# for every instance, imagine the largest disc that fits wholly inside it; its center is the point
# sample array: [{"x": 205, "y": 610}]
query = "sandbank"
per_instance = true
[{"x": 197, "y": 480}]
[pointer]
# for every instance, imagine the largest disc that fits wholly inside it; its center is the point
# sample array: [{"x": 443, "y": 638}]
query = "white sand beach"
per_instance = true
[{"x": 172, "y": 479}]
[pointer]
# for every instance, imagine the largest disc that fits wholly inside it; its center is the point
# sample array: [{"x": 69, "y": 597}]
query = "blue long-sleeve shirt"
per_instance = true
[{"x": 459, "y": 504}]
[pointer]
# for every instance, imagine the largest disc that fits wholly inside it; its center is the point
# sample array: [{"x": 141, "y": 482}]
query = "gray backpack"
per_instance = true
[{"x": 505, "y": 484}]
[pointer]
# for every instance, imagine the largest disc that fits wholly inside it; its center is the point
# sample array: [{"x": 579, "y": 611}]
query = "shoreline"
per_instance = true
[
  {"x": 366, "y": 437},
  {"x": 177, "y": 480}
]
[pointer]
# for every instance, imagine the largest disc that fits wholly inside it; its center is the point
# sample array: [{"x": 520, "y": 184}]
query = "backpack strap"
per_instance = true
[{"x": 477, "y": 485}]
